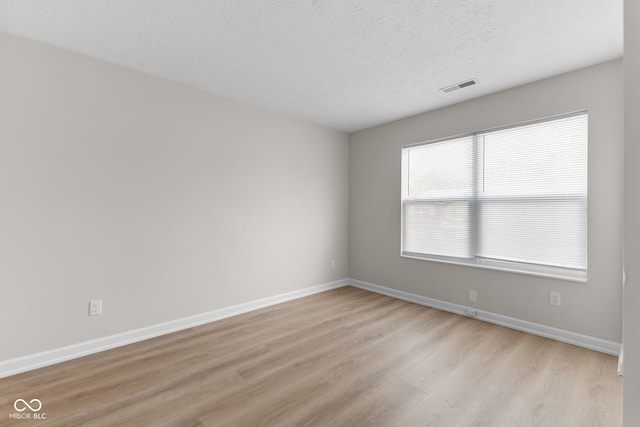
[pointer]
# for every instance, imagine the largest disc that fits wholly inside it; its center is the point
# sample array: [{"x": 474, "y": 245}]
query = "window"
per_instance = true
[{"x": 512, "y": 198}]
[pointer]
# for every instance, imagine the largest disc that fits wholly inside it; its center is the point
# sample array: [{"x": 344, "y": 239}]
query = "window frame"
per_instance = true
[{"x": 475, "y": 201}]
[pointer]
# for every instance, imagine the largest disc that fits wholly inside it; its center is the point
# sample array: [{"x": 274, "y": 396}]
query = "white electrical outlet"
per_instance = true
[
  {"x": 554, "y": 298},
  {"x": 95, "y": 307},
  {"x": 333, "y": 263},
  {"x": 473, "y": 295}
]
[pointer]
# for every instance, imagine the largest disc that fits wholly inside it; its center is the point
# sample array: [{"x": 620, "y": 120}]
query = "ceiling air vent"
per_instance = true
[{"x": 459, "y": 85}]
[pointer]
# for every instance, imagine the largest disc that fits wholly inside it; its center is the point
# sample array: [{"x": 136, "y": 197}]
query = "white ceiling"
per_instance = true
[{"x": 346, "y": 64}]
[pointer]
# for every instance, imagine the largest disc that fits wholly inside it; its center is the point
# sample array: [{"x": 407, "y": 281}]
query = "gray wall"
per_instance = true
[
  {"x": 592, "y": 308},
  {"x": 162, "y": 200},
  {"x": 631, "y": 327},
  {"x": 166, "y": 201}
]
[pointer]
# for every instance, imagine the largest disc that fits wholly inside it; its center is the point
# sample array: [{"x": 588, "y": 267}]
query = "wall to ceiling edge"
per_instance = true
[
  {"x": 162, "y": 200},
  {"x": 591, "y": 308},
  {"x": 166, "y": 201}
]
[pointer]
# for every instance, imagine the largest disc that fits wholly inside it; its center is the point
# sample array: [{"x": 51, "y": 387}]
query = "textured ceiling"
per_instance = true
[{"x": 346, "y": 64}]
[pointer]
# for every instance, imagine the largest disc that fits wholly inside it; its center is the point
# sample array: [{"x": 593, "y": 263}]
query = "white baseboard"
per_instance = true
[
  {"x": 592, "y": 343},
  {"x": 621, "y": 361},
  {"x": 50, "y": 357}
]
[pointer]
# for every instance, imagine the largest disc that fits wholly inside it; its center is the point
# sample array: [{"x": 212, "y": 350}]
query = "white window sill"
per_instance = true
[{"x": 511, "y": 267}]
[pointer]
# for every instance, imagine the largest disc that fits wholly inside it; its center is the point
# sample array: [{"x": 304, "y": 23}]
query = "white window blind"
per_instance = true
[
  {"x": 513, "y": 198},
  {"x": 440, "y": 195}
]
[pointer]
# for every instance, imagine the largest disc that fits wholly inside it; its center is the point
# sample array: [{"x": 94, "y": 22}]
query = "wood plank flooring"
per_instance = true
[{"x": 346, "y": 357}]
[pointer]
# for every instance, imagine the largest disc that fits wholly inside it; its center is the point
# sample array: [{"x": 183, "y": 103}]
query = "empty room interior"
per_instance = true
[{"x": 320, "y": 213}]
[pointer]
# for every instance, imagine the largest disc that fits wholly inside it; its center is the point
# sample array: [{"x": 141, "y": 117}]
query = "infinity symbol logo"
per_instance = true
[{"x": 37, "y": 405}]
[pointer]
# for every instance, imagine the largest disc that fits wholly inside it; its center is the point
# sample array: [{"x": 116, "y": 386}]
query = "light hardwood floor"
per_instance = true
[{"x": 346, "y": 357}]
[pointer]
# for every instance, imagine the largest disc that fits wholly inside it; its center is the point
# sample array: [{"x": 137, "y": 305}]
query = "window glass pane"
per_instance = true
[
  {"x": 541, "y": 158},
  {"x": 507, "y": 197},
  {"x": 441, "y": 169},
  {"x": 546, "y": 232},
  {"x": 437, "y": 228}
]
